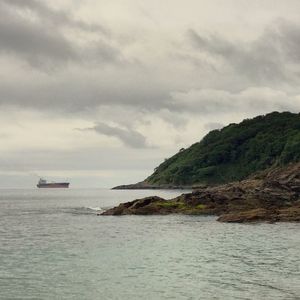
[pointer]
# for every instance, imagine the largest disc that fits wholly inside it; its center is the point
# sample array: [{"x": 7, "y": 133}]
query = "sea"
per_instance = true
[{"x": 53, "y": 245}]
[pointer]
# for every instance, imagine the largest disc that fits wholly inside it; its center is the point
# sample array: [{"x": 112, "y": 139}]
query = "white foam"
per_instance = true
[{"x": 95, "y": 208}]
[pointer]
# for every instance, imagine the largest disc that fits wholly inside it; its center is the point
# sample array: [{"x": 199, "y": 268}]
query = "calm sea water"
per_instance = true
[{"x": 54, "y": 246}]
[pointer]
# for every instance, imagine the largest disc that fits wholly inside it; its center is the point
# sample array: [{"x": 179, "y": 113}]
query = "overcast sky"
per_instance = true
[{"x": 99, "y": 92}]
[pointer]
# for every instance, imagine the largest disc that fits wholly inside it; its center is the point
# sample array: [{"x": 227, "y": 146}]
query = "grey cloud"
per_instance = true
[
  {"x": 103, "y": 52},
  {"x": 79, "y": 93},
  {"x": 35, "y": 44},
  {"x": 288, "y": 37},
  {"x": 108, "y": 81},
  {"x": 213, "y": 44},
  {"x": 54, "y": 16},
  {"x": 264, "y": 60},
  {"x": 128, "y": 137},
  {"x": 43, "y": 42},
  {"x": 213, "y": 125},
  {"x": 251, "y": 100},
  {"x": 175, "y": 119}
]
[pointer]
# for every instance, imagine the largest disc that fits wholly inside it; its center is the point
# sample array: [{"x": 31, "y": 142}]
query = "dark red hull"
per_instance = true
[{"x": 53, "y": 185}]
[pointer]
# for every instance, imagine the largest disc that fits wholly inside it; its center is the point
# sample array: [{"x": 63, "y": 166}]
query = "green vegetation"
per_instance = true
[
  {"x": 171, "y": 204},
  {"x": 234, "y": 152},
  {"x": 181, "y": 207},
  {"x": 200, "y": 206}
]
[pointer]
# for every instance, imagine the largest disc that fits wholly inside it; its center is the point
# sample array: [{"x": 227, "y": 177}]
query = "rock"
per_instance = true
[
  {"x": 290, "y": 214},
  {"x": 270, "y": 196},
  {"x": 254, "y": 215},
  {"x": 142, "y": 206}
]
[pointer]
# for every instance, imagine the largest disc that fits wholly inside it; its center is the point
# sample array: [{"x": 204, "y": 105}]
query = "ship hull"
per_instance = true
[{"x": 53, "y": 185}]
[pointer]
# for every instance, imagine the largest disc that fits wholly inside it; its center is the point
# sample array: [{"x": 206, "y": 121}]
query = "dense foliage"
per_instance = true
[{"x": 234, "y": 152}]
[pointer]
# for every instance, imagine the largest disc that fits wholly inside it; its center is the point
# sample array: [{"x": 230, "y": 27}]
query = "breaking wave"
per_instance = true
[{"x": 83, "y": 210}]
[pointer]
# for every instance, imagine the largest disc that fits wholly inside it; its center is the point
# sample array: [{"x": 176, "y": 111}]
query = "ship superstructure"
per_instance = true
[{"x": 44, "y": 184}]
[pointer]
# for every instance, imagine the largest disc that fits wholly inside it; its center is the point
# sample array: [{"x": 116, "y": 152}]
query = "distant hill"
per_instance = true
[{"x": 231, "y": 153}]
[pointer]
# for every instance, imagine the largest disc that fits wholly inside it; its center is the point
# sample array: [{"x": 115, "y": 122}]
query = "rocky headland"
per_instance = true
[
  {"x": 272, "y": 195},
  {"x": 230, "y": 154},
  {"x": 144, "y": 185}
]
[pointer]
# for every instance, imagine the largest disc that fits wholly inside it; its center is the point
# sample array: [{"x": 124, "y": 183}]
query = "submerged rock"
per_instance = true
[{"x": 269, "y": 196}]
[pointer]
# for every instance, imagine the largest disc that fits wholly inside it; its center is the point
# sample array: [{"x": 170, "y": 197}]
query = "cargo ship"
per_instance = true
[{"x": 44, "y": 184}]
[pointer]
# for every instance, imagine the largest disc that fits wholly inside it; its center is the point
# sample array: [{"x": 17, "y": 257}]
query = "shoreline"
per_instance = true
[
  {"x": 146, "y": 186},
  {"x": 271, "y": 197}
]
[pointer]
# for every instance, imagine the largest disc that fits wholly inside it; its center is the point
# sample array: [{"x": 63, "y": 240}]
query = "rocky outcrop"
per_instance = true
[
  {"x": 290, "y": 214},
  {"x": 269, "y": 196},
  {"x": 145, "y": 206}
]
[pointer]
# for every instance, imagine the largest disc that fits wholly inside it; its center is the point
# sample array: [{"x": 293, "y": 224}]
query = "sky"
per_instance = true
[{"x": 99, "y": 92}]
